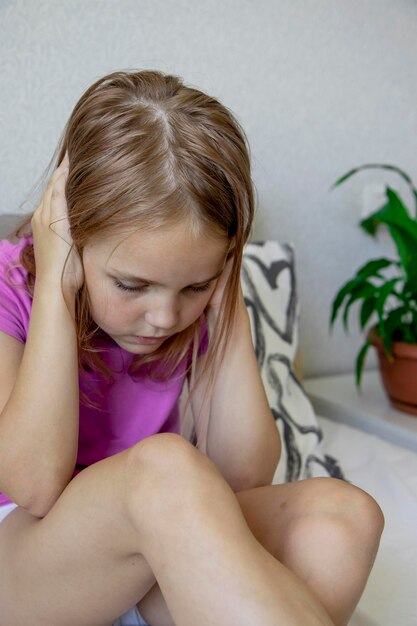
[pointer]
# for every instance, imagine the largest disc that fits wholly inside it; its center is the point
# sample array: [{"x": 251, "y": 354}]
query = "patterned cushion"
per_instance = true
[{"x": 269, "y": 289}]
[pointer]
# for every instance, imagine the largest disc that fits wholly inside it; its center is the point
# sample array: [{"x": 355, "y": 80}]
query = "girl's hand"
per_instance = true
[{"x": 52, "y": 239}]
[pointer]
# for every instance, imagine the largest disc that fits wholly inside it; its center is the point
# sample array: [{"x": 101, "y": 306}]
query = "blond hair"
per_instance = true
[{"x": 145, "y": 152}]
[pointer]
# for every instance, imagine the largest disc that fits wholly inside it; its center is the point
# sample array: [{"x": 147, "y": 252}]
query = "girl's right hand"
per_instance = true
[{"x": 52, "y": 239}]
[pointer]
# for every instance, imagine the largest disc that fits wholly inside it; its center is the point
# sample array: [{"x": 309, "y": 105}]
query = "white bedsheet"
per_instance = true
[{"x": 389, "y": 474}]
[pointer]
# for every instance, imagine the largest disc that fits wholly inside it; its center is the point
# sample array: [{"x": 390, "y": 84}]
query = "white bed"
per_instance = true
[{"x": 389, "y": 473}]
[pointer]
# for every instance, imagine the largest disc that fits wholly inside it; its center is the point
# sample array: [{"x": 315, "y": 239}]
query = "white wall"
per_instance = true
[{"x": 320, "y": 86}]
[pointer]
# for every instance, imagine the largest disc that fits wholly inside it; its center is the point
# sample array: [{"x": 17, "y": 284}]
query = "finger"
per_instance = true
[
  {"x": 58, "y": 189},
  {"x": 65, "y": 160},
  {"x": 61, "y": 170},
  {"x": 55, "y": 191},
  {"x": 46, "y": 198},
  {"x": 62, "y": 176},
  {"x": 51, "y": 183}
]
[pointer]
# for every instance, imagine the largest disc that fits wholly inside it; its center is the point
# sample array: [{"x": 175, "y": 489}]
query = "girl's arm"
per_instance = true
[
  {"x": 242, "y": 439},
  {"x": 39, "y": 422}
]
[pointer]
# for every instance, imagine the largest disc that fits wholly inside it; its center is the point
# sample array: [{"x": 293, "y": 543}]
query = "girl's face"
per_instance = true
[{"x": 154, "y": 285}]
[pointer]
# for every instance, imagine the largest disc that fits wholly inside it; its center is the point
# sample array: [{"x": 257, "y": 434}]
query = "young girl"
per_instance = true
[{"x": 126, "y": 286}]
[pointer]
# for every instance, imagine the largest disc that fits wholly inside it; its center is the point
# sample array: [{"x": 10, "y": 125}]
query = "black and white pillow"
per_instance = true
[{"x": 270, "y": 292}]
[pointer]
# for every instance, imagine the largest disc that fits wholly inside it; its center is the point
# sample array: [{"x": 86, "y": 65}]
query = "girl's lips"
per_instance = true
[{"x": 149, "y": 340}]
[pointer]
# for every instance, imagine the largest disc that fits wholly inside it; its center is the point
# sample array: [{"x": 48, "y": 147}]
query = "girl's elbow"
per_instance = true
[
  {"x": 254, "y": 480},
  {"x": 266, "y": 467}
]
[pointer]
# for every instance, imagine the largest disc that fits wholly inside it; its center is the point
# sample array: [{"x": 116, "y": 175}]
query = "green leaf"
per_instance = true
[
  {"x": 384, "y": 293},
  {"x": 392, "y": 323},
  {"x": 365, "y": 290},
  {"x": 408, "y": 294},
  {"x": 348, "y": 175},
  {"x": 367, "y": 308},
  {"x": 408, "y": 335},
  {"x": 360, "y": 361},
  {"x": 404, "y": 241},
  {"x": 371, "y": 268},
  {"x": 393, "y": 212},
  {"x": 341, "y": 295},
  {"x": 402, "y": 228},
  {"x": 382, "y": 166}
]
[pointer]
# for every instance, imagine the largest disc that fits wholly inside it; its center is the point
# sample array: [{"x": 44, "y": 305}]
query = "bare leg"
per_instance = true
[
  {"x": 323, "y": 529},
  {"x": 79, "y": 565},
  {"x": 210, "y": 567},
  {"x": 163, "y": 510}
]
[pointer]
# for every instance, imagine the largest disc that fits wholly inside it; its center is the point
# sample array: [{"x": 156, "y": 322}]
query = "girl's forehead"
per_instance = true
[{"x": 175, "y": 245}]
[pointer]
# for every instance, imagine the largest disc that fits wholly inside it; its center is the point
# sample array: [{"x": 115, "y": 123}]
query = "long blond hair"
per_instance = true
[{"x": 146, "y": 151}]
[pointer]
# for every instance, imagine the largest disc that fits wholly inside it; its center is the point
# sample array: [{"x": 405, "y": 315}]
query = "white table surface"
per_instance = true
[{"x": 369, "y": 409}]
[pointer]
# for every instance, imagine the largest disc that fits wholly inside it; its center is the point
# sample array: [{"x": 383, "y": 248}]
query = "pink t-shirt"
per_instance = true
[{"x": 130, "y": 410}]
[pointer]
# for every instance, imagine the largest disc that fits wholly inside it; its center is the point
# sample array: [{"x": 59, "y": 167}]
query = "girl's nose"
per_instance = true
[{"x": 164, "y": 317}]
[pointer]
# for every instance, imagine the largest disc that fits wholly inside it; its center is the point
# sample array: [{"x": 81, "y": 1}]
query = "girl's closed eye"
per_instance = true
[
  {"x": 200, "y": 287},
  {"x": 142, "y": 288},
  {"x": 138, "y": 288}
]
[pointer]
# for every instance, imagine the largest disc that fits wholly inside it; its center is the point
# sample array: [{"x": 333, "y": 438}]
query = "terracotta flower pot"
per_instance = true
[{"x": 399, "y": 375}]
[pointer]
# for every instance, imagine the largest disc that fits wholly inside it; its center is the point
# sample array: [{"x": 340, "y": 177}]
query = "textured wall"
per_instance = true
[{"x": 319, "y": 85}]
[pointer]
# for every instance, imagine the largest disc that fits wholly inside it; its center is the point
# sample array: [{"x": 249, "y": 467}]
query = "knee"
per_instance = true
[
  {"x": 165, "y": 456},
  {"x": 166, "y": 468},
  {"x": 354, "y": 504},
  {"x": 339, "y": 506}
]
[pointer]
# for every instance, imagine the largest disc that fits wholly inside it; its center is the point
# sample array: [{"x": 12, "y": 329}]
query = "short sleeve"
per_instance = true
[{"x": 15, "y": 300}]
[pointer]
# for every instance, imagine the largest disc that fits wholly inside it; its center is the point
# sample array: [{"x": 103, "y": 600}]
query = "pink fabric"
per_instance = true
[{"x": 130, "y": 410}]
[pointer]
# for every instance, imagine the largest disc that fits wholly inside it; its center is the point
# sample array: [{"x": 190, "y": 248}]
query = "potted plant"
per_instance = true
[{"x": 386, "y": 290}]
